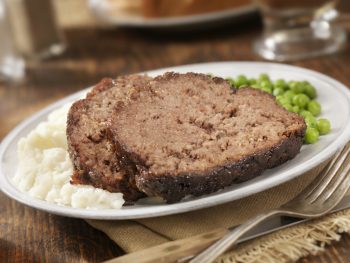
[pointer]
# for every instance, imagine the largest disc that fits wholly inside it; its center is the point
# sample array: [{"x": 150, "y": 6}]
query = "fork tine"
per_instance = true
[
  {"x": 320, "y": 179},
  {"x": 327, "y": 175},
  {"x": 343, "y": 176},
  {"x": 323, "y": 177},
  {"x": 338, "y": 194},
  {"x": 336, "y": 156}
]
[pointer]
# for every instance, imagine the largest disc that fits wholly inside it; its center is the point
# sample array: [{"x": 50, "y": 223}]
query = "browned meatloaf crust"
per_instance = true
[
  {"x": 90, "y": 147},
  {"x": 190, "y": 134}
]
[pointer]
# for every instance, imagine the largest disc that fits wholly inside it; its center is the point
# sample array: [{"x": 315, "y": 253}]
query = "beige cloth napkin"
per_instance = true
[{"x": 134, "y": 235}]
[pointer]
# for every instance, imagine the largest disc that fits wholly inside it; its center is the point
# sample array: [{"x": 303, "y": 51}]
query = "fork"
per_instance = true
[{"x": 317, "y": 199}]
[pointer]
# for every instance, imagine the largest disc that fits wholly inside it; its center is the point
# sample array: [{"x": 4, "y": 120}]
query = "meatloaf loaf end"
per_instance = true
[
  {"x": 91, "y": 149},
  {"x": 191, "y": 134}
]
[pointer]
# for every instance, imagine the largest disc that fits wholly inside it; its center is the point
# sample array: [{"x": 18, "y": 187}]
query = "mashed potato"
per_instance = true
[{"x": 44, "y": 168}]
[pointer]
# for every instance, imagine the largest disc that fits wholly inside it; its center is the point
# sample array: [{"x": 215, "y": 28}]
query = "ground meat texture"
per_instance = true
[
  {"x": 91, "y": 148},
  {"x": 190, "y": 134}
]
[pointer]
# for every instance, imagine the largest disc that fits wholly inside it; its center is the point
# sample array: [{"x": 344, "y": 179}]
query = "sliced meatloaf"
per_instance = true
[
  {"x": 90, "y": 147},
  {"x": 190, "y": 134}
]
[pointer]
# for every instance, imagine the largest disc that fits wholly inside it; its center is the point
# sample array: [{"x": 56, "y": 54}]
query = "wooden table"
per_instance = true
[{"x": 29, "y": 235}]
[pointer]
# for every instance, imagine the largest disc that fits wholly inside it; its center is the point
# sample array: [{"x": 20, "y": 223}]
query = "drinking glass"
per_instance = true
[
  {"x": 298, "y": 29},
  {"x": 11, "y": 64}
]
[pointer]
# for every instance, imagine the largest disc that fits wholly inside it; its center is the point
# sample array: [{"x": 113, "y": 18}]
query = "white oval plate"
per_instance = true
[
  {"x": 116, "y": 17},
  {"x": 333, "y": 96}
]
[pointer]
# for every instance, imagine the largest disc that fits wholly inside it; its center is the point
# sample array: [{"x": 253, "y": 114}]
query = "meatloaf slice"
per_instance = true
[
  {"x": 190, "y": 134},
  {"x": 90, "y": 147}
]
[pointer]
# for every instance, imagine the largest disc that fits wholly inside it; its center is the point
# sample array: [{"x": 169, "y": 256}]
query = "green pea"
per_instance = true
[
  {"x": 289, "y": 94},
  {"x": 252, "y": 81},
  {"x": 264, "y": 76},
  {"x": 241, "y": 80},
  {"x": 288, "y": 107},
  {"x": 280, "y": 84},
  {"x": 311, "y": 135},
  {"x": 300, "y": 100},
  {"x": 305, "y": 113},
  {"x": 323, "y": 126},
  {"x": 296, "y": 87},
  {"x": 311, "y": 122},
  {"x": 266, "y": 89},
  {"x": 281, "y": 100},
  {"x": 296, "y": 109},
  {"x": 291, "y": 83},
  {"x": 304, "y": 84},
  {"x": 255, "y": 86},
  {"x": 265, "y": 84},
  {"x": 314, "y": 107},
  {"x": 310, "y": 91},
  {"x": 278, "y": 91}
]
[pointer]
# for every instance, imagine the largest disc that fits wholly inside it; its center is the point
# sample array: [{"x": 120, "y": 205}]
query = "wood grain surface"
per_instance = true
[{"x": 28, "y": 235}]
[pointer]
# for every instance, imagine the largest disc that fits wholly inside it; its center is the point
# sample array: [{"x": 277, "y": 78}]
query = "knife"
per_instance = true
[{"x": 184, "y": 249}]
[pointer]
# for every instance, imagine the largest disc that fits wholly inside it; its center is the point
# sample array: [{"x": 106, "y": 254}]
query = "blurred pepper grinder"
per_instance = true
[
  {"x": 34, "y": 28},
  {"x": 28, "y": 31},
  {"x": 11, "y": 63}
]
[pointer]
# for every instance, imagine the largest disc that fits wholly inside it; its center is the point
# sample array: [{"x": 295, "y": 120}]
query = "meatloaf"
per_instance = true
[
  {"x": 91, "y": 149},
  {"x": 190, "y": 134}
]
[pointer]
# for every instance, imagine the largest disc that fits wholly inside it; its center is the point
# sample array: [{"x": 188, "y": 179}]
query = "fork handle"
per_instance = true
[{"x": 219, "y": 247}]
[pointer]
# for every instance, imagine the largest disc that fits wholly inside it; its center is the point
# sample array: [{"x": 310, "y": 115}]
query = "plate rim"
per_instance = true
[
  {"x": 168, "y": 209},
  {"x": 139, "y": 21}
]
